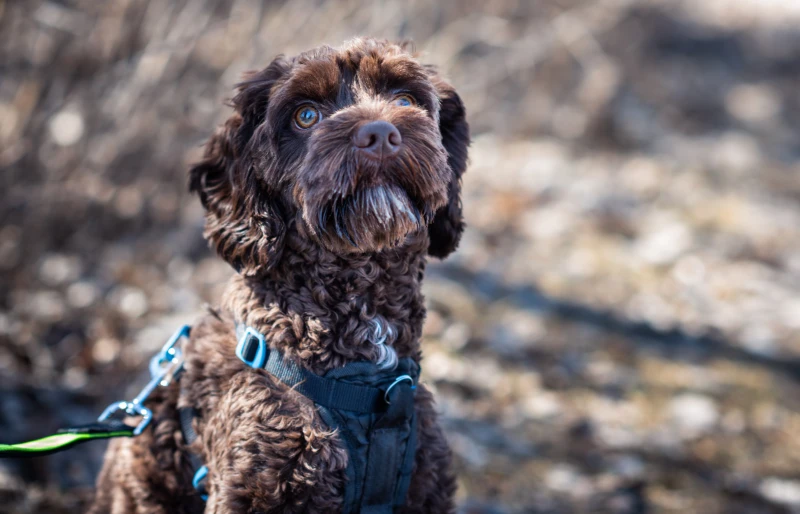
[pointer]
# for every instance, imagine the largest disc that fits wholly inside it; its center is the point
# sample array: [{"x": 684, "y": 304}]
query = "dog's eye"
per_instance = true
[
  {"x": 306, "y": 117},
  {"x": 405, "y": 101}
]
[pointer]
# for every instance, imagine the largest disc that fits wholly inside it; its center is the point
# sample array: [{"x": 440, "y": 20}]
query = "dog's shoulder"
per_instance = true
[{"x": 256, "y": 434}]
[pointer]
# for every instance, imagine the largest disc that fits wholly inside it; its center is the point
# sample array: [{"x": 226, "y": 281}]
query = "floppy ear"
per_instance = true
[
  {"x": 448, "y": 222},
  {"x": 243, "y": 224}
]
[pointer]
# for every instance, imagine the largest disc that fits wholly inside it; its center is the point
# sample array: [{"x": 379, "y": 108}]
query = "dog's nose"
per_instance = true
[{"x": 379, "y": 138}]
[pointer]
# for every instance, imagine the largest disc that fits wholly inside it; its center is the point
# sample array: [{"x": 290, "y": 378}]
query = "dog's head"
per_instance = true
[{"x": 357, "y": 148}]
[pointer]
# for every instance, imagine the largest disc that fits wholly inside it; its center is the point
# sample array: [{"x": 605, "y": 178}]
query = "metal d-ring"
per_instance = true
[{"x": 401, "y": 378}]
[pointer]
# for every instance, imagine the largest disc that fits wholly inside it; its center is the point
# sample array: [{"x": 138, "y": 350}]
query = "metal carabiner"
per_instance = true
[
  {"x": 169, "y": 354},
  {"x": 164, "y": 367},
  {"x": 130, "y": 409}
]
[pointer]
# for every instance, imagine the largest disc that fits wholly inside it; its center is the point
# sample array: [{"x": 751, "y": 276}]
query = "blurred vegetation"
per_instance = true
[{"x": 620, "y": 329}]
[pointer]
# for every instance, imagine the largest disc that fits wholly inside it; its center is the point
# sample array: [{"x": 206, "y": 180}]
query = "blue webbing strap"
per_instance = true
[{"x": 328, "y": 392}]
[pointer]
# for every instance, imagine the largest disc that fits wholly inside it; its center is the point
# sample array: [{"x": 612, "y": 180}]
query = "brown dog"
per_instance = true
[{"x": 337, "y": 174}]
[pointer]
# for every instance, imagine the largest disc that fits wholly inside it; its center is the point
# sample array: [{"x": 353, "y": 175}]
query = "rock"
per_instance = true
[
  {"x": 779, "y": 490},
  {"x": 693, "y": 414},
  {"x": 629, "y": 467},
  {"x": 56, "y": 269},
  {"x": 82, "y": 294},
  {"x": 541, "y": 405},
  {"x": 67, "y": 127},
  {"x": 131, "y": 301},
  {"x": 664, "y": 244}
]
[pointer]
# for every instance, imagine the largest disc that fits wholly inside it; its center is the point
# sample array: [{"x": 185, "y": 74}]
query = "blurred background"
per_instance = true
[{"x": 620, "y": 329}]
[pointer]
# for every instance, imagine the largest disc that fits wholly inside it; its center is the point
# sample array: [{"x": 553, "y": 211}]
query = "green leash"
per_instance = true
[
  {"x": 66, "y": 438},
  {"x": 165, "y": 366}
]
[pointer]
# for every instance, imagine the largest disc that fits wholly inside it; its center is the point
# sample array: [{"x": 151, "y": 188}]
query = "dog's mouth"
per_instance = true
[
  {"x": 372, "y": 218},
  {"x": 354, "y": 204}
]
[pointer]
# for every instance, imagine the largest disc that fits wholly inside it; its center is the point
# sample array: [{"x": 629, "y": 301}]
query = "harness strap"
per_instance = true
[
  {"x": 404, "y": 480},
  {"x": 390, "y": 442},
  {"x": 253, "y": 350},
  {"x": 199, "y": 470},
  {"x": 186, "y": 415}
]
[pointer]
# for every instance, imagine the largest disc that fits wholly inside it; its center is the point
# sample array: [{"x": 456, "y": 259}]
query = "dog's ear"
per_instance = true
[
  {"x": 448, "y": 223},
  {"x": 243, "y": 224}
]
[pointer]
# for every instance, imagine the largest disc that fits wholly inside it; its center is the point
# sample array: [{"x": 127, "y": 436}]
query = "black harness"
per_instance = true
[{"x": 372, "y": 409}]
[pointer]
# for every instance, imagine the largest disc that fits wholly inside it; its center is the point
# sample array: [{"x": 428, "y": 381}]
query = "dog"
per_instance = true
[{"x": 338, "y": 173}]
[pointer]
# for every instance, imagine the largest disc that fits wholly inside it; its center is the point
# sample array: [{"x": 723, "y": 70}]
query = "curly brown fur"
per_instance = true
[{"x": 330, "y": 244}]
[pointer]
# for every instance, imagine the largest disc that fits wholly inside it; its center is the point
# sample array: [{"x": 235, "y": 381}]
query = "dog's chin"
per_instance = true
[{"x": 372, "y": 219}]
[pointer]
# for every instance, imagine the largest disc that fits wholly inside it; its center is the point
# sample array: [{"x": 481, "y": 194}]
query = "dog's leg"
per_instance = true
[
  {"x": 265, "y": 446},
  {"x": 112, "y": 495},
  {"x": 120, "y": 487},
  {"x": 268, "y": 451}
]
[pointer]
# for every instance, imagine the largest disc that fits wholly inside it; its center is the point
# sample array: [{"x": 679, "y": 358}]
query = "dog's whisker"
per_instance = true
[
  {"x": 385, "y": 206},
  {"x": 336, "y": 219},
  {"x": 402, "y": 206},
  {"x": 352, "y": 221},
  {"x": 340, "y": 222},
  {"x": 349, "y": 238},
  {"x": 371, "y": 200},
  {"x": 417, "y": 215},
  {"x": 322, "y": 219}
]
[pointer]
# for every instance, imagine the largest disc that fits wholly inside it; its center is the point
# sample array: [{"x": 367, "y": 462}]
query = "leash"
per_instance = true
[
  {"x": 66, "y": 438},
  {"x": 165, "y": 366}
]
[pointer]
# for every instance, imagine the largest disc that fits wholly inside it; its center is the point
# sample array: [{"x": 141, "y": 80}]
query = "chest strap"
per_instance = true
[{"x": 253, "y": 350}]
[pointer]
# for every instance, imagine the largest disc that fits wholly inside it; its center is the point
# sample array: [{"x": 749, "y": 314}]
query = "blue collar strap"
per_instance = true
[{"x": 253, "y": 350}]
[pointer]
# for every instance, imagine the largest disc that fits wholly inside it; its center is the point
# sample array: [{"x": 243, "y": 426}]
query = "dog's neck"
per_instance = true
[{"x": 325, "y": 310}]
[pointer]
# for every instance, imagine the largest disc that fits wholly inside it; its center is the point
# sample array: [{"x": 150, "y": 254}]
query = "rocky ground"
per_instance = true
[{"x": 620, "y": 329}]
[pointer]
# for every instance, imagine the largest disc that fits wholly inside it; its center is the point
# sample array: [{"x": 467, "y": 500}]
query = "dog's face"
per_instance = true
[{"x": 358, "y": 149}]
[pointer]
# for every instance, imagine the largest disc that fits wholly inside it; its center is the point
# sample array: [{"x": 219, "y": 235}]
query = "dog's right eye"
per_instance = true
[{"x": 306, "y": 117}]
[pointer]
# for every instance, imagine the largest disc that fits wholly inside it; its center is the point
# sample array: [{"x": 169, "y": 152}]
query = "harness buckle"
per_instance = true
[
  {"x": 252, "y": 348},
  {"x": 401, "y": 378}
]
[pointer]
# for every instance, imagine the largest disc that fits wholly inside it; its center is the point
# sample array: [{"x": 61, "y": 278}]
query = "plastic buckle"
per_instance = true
[
  {"x": 401, "y": 378},
  {"x": 252, "y": 348},
  {"x": 198, "y": 482}
]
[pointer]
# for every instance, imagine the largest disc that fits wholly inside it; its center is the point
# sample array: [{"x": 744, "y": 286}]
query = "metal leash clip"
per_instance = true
[{"x": 165, "y": 366}]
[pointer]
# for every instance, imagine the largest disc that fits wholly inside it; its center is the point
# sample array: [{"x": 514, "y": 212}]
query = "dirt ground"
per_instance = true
[{"x": 620, "y": 329}]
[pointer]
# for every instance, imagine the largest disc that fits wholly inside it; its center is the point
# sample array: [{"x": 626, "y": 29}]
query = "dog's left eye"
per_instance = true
[
  {"x": 306, "y": 117},
  {"x": 405, "y": 101}
]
